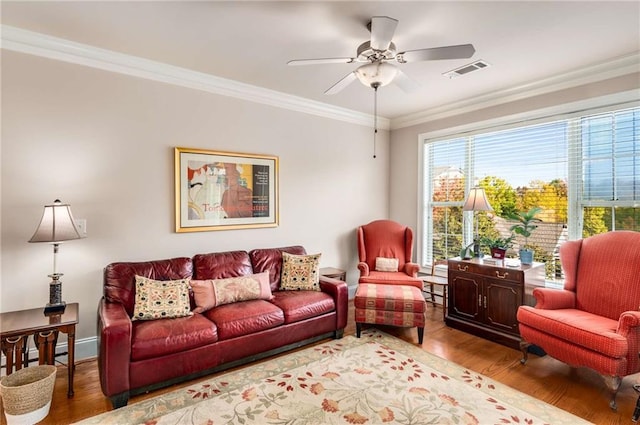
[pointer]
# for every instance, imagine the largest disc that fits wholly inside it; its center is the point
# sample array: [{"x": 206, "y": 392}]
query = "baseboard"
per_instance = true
[
  {"x": 86, "y": 348},
  {"x": 352, "y": 291}
]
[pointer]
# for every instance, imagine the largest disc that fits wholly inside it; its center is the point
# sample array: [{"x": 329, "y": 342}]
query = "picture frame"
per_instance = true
[{"x": 217, "y": 190}]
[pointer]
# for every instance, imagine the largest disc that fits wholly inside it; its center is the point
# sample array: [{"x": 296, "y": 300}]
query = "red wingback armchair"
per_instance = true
[
  {"x": 594, "y": 321},
  {"x": 389, "y": 290},
  {"x": 390, "y": 240}
]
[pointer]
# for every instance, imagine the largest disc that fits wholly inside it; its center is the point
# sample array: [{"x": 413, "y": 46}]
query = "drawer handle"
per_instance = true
[
  {"x": 504, "y": 276},
  {"x": 463, "y": 269},
  {"x": 480, "y": 301}
]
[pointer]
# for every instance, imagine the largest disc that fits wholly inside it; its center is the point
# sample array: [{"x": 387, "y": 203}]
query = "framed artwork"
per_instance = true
[{"x": 225, "y": 190}]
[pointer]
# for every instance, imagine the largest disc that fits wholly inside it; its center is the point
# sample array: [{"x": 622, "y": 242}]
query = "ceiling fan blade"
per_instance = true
[
  {"x": 437, "y": 53},
  {"x": 297, "y": 62},
  {"x": 344, "y": 82},
  {"x": 382, "y": 29},
  {"x": 406, "y": 83}
]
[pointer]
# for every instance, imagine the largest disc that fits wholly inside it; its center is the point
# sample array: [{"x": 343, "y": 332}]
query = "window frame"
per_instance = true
[{"x": 571, "y": 112}]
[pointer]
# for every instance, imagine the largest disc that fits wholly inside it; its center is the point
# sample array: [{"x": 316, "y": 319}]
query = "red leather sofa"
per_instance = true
[{"x": 138, "y": 356}]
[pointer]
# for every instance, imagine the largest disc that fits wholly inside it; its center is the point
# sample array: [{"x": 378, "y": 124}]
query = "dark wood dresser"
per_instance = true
[{"x": 484, "y": 298}]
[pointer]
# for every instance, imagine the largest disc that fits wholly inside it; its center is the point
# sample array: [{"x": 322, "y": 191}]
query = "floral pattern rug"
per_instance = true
[{"x": 376, "y": 379}]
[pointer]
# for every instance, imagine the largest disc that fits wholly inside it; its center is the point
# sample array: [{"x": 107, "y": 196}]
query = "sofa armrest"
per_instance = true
[
  {"x": 554, "y": 299},
  {"x": 411, "y": 269},
  {"x": 340, "y": 293},
  {"x": 114, "y": 347},
  {"x": 364, "y": 268}
]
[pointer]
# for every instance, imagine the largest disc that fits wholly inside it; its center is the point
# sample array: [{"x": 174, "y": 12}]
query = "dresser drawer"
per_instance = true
[{"x": 501, "y": 273}]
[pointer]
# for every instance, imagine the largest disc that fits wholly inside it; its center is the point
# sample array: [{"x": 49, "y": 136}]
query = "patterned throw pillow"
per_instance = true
[
  {"x": 300, "y": 272},
  {"x": 161, "y": 299},
  {"x": 386, "y": 264},
  {"x": 214, "y": 292}
]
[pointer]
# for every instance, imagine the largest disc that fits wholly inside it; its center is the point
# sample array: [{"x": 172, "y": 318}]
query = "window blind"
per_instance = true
[{"x": 591, "y": 162}]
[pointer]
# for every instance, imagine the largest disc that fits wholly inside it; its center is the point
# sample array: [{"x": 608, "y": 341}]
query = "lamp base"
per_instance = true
[
  {"x": 55, "y": 304},
  {"x": 53, "y": 309},
  {"x": 476, "y": 249}
]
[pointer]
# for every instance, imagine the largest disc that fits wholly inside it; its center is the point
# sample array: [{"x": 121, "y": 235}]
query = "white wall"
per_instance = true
[
  {"x": 404, "y": 196},
  {"x": 103, "y": 142}
]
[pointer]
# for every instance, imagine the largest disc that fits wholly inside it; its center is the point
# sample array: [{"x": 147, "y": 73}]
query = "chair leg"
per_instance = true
[
  {"x": 420, "y": 335},
  {"x": 444, "y": 302},
  {"x": 613, "y": 384},
  {"x": 433, "y": 297},
  {"x": 524, "y": 347},
  {"x": 358, "y": 329}
]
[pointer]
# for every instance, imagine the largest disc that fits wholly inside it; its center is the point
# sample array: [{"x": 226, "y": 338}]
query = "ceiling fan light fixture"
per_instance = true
[{"x": 376, "y": 74}]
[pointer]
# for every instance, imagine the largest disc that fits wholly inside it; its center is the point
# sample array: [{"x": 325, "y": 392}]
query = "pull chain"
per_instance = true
[{"x": 375, "y": 118}]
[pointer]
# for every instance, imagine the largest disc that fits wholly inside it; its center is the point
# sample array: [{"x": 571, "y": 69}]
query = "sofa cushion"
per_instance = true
[
  {"x": 220, "y": 265},
  {"x": 577, "y": 327},
  {"x": 214, "y": 292},
  {"x": 244, "y": 318},
  {"x": 301, "y": 305},
  {"x": 391, "y": 277},
  {"x": 300, "y": 272},
  {"x": 156, "y": 338},
  {"x": 120, "y": 282},
  {"x": 270, "y": 260},
  {"x": 161, "y": 299}
]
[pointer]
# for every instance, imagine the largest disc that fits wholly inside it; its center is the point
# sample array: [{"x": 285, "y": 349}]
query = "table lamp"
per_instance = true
[
  {"x": 57, "y": 225},
  {"x": 476, "y": 201}
]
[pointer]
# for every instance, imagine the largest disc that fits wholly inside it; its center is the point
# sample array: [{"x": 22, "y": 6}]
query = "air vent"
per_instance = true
[{"x": 475, "y": 66}]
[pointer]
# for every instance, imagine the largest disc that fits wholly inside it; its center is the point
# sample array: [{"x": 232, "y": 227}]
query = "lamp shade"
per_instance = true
[
  {"x": 376, "y": 74},
  {"x": 477, "y": 201},
  {"x": 56, "y": 225}
]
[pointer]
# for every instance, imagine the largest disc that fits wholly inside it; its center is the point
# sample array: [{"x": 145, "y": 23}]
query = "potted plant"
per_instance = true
[
  {"x": 497, "y": 245},
  {"x": 526, "y": 225}
]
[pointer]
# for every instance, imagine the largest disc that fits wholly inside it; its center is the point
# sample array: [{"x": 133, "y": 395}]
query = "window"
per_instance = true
[
  {"x": 610, "y": 162},
  {"x": 583, "y": 171}
]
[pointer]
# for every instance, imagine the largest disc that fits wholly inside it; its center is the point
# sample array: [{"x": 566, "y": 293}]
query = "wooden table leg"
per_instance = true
[
  {"x": 14, "y": 349},
  {"x": 71, "y": 365},
  {"x": 444, "y": 302},
  {"x": 46, "y": 343}
]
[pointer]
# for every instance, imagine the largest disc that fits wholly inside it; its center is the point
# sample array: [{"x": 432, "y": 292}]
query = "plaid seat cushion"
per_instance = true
[{"x": 395, "y": 305}]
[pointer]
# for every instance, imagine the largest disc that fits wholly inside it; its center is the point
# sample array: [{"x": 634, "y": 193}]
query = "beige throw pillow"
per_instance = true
[
  {"x": 161, "y": 299},
  {"x": 214, "y": 292},
  {"x": 386, "y": 264},
  {"x": 300, "y": 272}
]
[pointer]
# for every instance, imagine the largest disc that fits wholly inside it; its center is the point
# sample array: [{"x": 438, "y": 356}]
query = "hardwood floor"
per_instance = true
[{"x": 579, "y": 391}]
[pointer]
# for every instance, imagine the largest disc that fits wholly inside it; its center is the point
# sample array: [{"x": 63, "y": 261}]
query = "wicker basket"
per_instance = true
[{"x": 26, "y": 394}]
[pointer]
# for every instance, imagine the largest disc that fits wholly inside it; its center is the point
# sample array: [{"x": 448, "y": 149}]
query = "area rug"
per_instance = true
[{"x": 376, "y": 379}]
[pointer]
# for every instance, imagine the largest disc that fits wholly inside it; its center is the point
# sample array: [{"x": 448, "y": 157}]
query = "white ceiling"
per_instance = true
[{"x": 251, "y": 42}]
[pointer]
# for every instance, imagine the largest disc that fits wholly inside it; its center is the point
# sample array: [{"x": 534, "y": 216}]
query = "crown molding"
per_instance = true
[
  {"x": 32, "y": 43},
  {"x": 614, "y": 68}
]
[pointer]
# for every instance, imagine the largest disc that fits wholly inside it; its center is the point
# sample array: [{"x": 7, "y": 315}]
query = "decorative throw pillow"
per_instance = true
[
  {"x": 214, "y": 292},
  {"x": 161, "y": 299},
  {"x": 386, "y": 264},
  {"x": 300, "y": 272}
]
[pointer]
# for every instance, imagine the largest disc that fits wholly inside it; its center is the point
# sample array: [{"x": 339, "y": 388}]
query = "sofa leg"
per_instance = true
[
  {"x": 613, "y": 384},
  {"x": 358, "y": 329},
  {"x": 119, "y": 400},
  {"x": 524, "y": 347},
  {"x": 420, "y": 335},
  {"x": 339, "y": 334}
]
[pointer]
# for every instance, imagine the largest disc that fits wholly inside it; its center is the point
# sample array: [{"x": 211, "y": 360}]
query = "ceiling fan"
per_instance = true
[{"x": 377, "y": 54}]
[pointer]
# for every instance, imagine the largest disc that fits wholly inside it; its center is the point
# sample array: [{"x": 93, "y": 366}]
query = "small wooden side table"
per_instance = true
[
  {"x": 17, "y": 326},
  {"x": 334, "y": 273},
  {"x": 432, "y": 281}
]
